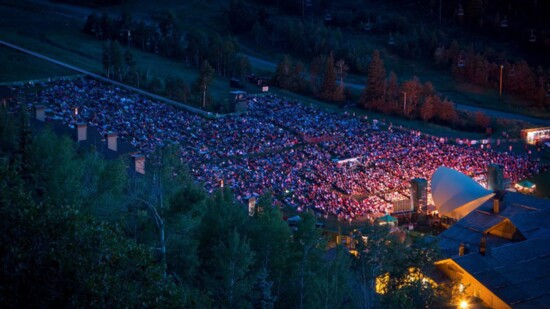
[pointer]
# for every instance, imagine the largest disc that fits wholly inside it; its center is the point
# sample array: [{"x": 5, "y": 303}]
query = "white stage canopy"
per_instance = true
[{"x": 455, "y": 194}]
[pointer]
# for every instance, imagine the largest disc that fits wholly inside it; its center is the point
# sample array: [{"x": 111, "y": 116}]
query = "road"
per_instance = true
[
  {"x": 99, "y": 77},
  {"x": 259, "y": 62},
  {"x": 504, "y": 115}
]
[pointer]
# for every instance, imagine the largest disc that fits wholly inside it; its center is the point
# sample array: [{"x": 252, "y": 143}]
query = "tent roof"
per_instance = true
[
  {"x": 387, "y": 218},
  {"x": 455, "y": 194},
  {"x": 295, "y": 219},
  {"x": 526, "y": 184}
]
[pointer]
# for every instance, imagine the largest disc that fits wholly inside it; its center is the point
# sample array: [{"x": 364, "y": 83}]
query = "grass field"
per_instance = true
[
  {"x": 58, "y": 36},
  {"x": 17, "y": 66}
]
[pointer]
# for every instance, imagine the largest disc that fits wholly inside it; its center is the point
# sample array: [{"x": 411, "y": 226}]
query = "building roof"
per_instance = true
[
  {"x": 516, "y": 265},
  {"x": 518, "y": 273},
  {"x": 455, "y": 194},
  {"x": 528, "y": 214}
]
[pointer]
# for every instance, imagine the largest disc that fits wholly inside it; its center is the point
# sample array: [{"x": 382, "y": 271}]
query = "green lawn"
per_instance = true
[
  {"x": 17, "y": 66},
  {"x": 59, "y": 37}
]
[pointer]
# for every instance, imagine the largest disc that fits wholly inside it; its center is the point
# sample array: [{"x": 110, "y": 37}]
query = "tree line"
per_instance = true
[
  {"x": 410, "y": 99},
  {"x": 78, "y": 230},
  {"x": 163, "y": 35},
  {"x": 306, "y": 36},
  {"x": 212, "y": 54}
]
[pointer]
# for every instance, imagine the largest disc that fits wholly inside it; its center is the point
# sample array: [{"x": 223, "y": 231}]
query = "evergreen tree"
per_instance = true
[
  {"x": 328, "y": 86},
  {"x": 446, "y": 112},
  {"x": 206, "y": 76},
  {"x": 392, "y": 95},
  {"x": 53, "y": 250},
  {"x": 413, "y": 90},
  {"x": 373, "y": 94},
  {"x": 270, "y": 239},
  {"x": 305, "y": 263},
  {"x": 230, "y": 280},
  {"x": 129, "y": 60},
  {"x": 176, "y": 88},
  {"x": 262, "y": 297},
  {"x": 282, "y": 77},
  {"x": 427, "y": 111},
  {"x": 333, "y": 287}
]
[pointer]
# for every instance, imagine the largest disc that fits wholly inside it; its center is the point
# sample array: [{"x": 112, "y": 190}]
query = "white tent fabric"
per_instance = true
[{"x": 455, "y": 194}]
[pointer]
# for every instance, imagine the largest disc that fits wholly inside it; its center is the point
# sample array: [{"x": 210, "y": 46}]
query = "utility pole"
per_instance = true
[
  {"x": 500, "y": 87},
  {"x": 404, "y": 103},
  {"x": 204, "y": 96}
]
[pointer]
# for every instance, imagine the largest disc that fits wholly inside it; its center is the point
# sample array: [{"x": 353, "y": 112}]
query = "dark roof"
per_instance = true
[
  {"x": 530, "y": 215},
  {"x": 518, "y": 273}
]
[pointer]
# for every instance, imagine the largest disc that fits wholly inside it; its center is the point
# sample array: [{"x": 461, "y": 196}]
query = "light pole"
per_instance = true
[
  {"x": 404, "y": 103},
  {"x": 500, "y": 84},
  {"x": 204, "y": 96}
]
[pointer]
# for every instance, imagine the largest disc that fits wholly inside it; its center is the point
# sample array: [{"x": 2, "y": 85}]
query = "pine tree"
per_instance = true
[
  {"x": 231, "y": 278},
  {"x": 373, "y": 94},
  {"x": 328, "y": 87},
  {"x": 262, "y": 296},
  {"x": 427, "y": 111},
  {"x": 282, "y": 76},
  {"x": 270, "y": 239},
  {"x": 204, "y": 79},
  {"x": 413, "y": 89},
  {"x": 392, "y": 95}
]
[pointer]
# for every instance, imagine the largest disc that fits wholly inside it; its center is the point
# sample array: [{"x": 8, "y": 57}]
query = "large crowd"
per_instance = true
[{"x": 334, "y": 163}]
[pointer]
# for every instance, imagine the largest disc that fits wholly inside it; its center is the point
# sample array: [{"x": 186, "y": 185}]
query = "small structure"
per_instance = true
[
  {"x": 526, "y": 186},
  {"x": 535, "y": 135},
  {"x": 238, "y": 100},
  {"x": 235, "y": 83},
  {"x": 251, "y": 200},
  {"x": 386, "y": 220},
  {"x": 112, "y": 141},
  {"x": 81, "y": 131},
  {"x": 460, "y": 11},
  {"x": 391, "y": 40},
  {"x": 139, "y": 163},
  {"x": 293, "y": 221},
  {"x": 40, "y": 112},
  {"x": 504, "y": 22},
  {"x": 419, "y": 194}
]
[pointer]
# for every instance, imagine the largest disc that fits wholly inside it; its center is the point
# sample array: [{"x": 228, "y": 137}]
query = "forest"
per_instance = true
[{"x": 79, "y": 231}]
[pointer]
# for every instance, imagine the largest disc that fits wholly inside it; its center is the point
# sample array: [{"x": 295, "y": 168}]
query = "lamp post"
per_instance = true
[
  {"x": 404, "y": 103},
  {"x": 204, "y": 96},
  {"x": 500, "y": 84}
]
